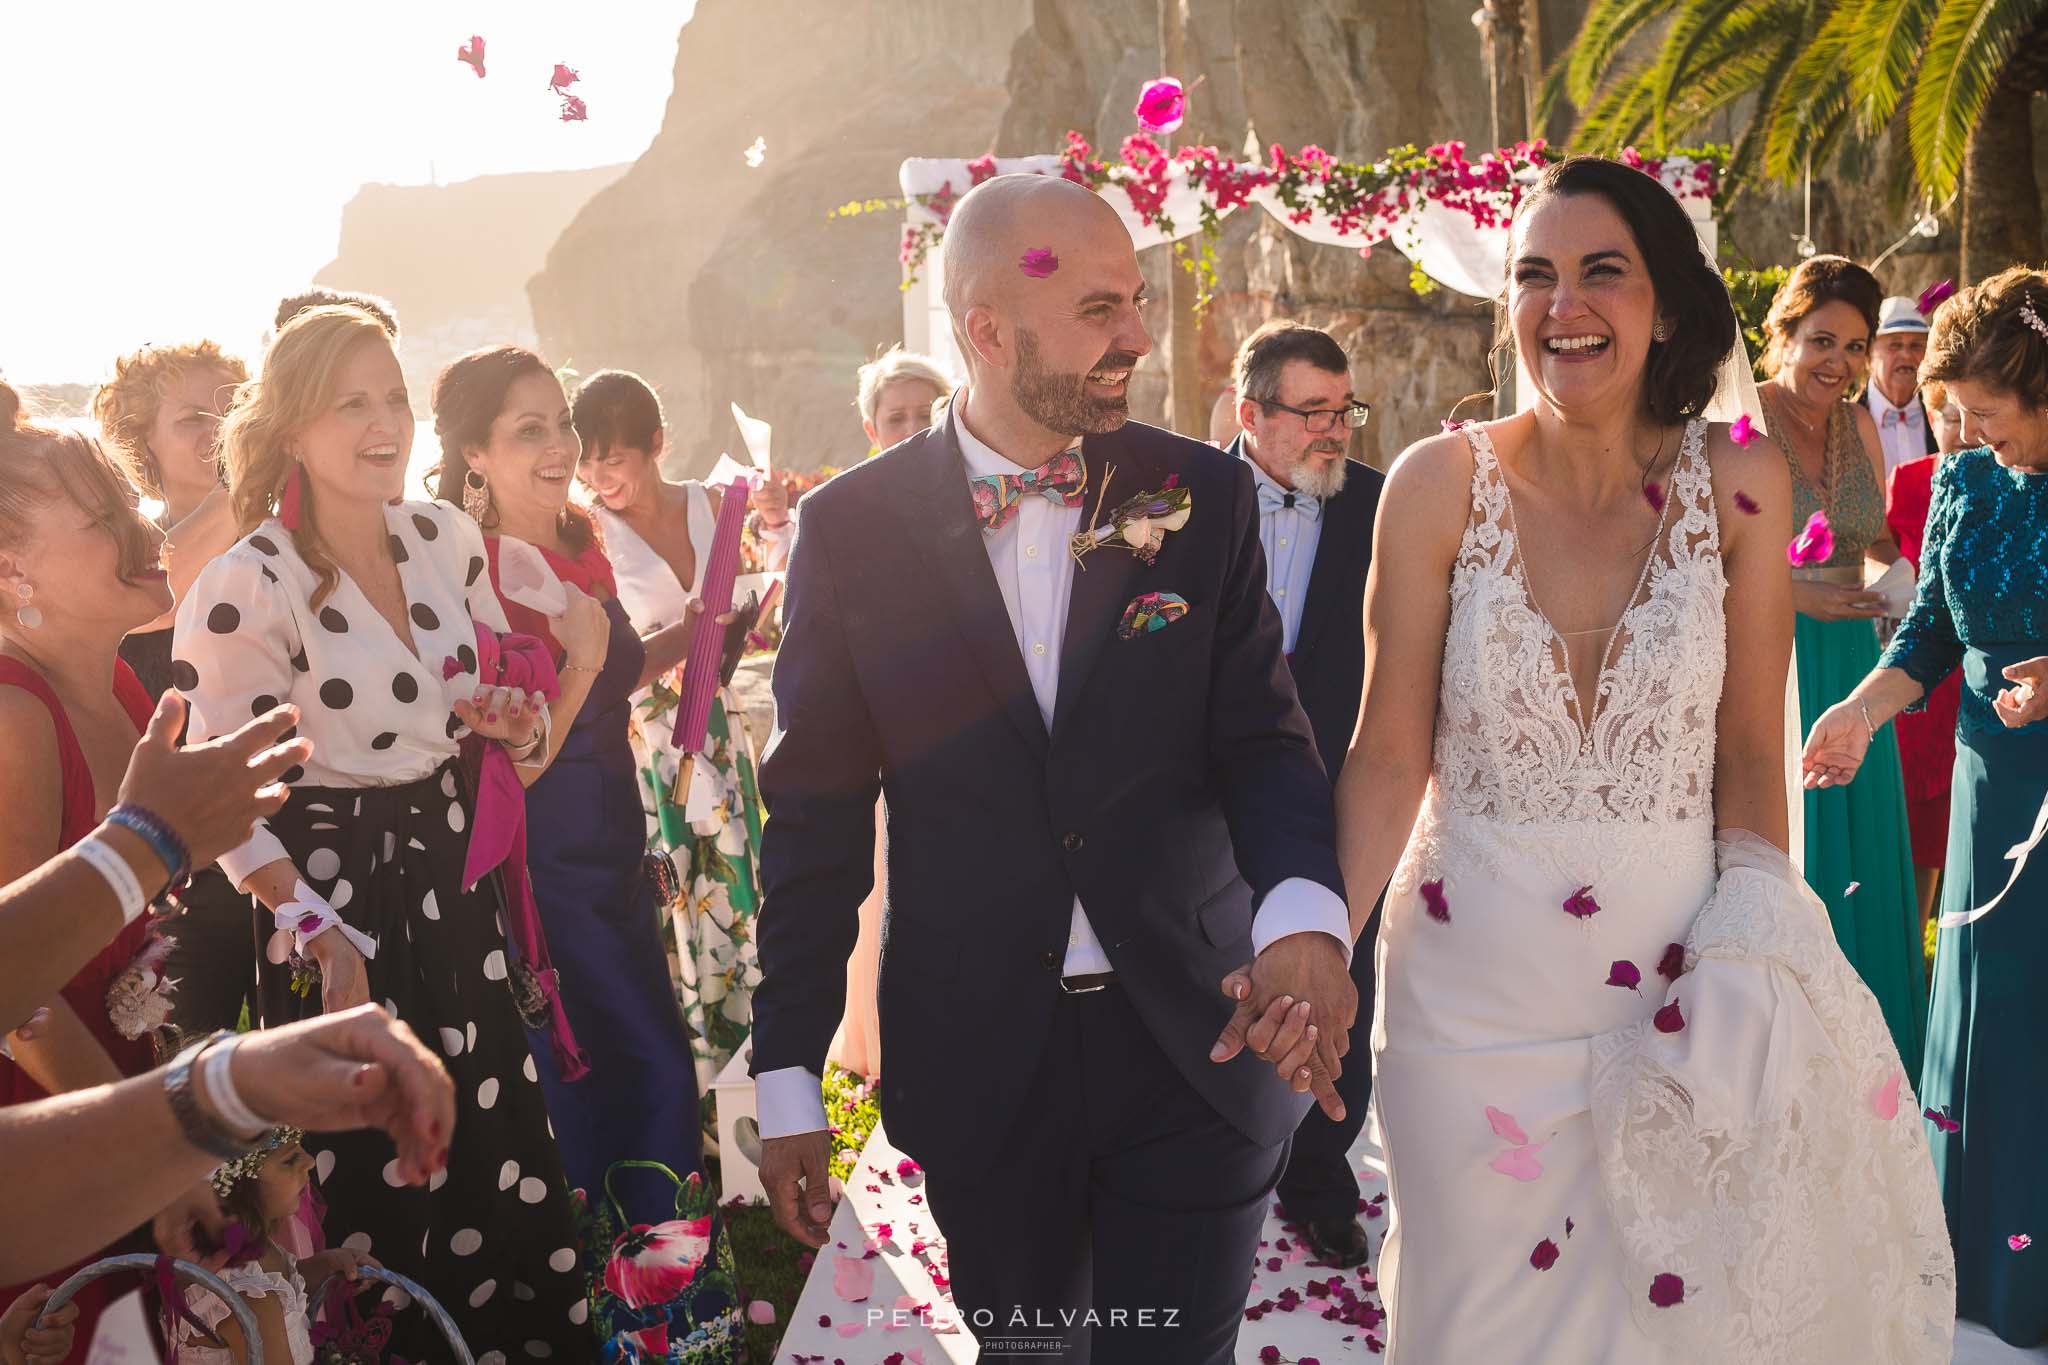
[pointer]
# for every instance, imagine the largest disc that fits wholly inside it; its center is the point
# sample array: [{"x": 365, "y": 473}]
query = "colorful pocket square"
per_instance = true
[{"x": 1149, "y": 612}]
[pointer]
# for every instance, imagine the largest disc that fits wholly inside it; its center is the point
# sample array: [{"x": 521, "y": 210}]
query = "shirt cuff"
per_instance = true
[
  {"x": 259, "y": 850},
  {"x": 789, "y": 1100},
  {"x": 1299, "y": 906}
]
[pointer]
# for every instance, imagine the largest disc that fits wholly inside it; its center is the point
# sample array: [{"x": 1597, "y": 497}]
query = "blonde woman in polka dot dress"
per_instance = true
[{"x": 364, "y": 615}]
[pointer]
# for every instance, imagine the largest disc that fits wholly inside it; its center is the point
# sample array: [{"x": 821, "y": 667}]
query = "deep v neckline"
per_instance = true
[
  {"x": 404, "y": 639},
  {"x": 1586, "y": 717}
]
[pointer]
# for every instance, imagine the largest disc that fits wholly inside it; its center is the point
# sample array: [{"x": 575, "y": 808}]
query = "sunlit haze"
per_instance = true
[{"x": 172, "y": 170}]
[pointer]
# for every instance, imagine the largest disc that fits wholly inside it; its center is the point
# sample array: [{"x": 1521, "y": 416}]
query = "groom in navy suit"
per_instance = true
[{"x": 1103, "y": 799}]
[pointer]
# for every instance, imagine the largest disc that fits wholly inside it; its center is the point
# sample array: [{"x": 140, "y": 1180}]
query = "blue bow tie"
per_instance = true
[{"x": 1272, "y": 497}]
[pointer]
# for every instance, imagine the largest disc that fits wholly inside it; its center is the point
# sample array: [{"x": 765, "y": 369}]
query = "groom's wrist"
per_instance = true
[
  {"x": 1299, "y": 906},
  {"x": 789, "y": 1100}
]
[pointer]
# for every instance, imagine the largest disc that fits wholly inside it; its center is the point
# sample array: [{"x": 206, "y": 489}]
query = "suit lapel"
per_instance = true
[
  {"x": 1104, "y": 578},
  {"x": 938, "y": 517}
]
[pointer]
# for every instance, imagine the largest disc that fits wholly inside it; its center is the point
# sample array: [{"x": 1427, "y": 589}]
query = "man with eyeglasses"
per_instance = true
[{"x": 1316, "y": 508}]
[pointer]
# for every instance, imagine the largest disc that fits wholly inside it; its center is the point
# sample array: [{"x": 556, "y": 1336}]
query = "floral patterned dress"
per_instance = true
[{"x": 706, "y": 814}]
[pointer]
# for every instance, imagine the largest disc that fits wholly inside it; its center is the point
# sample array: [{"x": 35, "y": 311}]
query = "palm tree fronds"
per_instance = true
[
  {"x": 1967, "y": 51},
  {"x": 1691, "y": 28},
  {"x": 1607, "y": 27},
  {"x": 1886, "y": 39}
]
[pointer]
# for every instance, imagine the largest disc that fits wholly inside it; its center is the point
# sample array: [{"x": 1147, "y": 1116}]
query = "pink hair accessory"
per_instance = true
[{"x": 288, "y": 501}]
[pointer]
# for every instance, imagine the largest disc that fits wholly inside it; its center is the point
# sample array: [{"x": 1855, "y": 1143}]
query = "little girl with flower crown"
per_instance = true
[{"x": 260, "y": 1193}]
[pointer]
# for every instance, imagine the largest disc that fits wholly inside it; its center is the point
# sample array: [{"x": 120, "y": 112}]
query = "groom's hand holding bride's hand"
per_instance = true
[
  {"x": 1295, "y": 1006},
  {"x": 796, "y": 1171}
]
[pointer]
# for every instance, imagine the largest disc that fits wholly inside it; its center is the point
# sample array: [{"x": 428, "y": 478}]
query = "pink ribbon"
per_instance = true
[
  {"x": 497, "y": 837},
  {"x": 288, "y": 502}
]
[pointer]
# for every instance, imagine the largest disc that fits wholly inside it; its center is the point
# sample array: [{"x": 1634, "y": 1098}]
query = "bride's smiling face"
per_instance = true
[{"x": 1580, "y": 302}]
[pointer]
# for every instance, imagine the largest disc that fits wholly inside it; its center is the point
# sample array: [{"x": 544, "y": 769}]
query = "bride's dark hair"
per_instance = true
[{"x": 1680, "y": 375}]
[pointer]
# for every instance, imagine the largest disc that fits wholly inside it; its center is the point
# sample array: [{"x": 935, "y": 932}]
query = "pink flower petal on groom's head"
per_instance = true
[
  {"x": 1504, "y": 1127},
  {"x": 1433, "y": 901},
  {"x": 1038, "y": 262},
  {"x": 1667, "y": 1290}
]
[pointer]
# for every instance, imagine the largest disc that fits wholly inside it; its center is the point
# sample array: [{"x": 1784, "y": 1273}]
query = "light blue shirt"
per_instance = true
[{"x": 1290, "y": 539}]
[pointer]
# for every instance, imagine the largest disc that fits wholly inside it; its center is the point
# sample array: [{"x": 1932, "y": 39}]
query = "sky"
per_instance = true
[{"x": 171, "y": 170}]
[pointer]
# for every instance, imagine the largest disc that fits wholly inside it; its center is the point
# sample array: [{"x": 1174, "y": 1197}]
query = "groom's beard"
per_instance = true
[{"x": 1061, "y": 402}]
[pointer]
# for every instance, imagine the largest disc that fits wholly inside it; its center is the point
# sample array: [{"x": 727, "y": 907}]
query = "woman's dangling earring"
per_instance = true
[
  {"x": 476, "y": 496},
  {"x": 28, "y": 614}
]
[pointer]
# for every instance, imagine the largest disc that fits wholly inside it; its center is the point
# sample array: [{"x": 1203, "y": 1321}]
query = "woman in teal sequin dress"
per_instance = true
[
  {"x": 1982, "y": 606},
  {"x": 1858, "y": 846}
]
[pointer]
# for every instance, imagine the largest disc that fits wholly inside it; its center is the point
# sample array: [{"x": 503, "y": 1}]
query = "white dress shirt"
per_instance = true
[
  {"x": 1035, "y": 574},
  {"x": 1290, "y": 537},
  {"x": 1904, "y": 436}
]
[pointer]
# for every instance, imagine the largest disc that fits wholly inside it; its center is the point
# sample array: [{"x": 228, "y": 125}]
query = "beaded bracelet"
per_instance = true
[{"x": 154, "y": 831}]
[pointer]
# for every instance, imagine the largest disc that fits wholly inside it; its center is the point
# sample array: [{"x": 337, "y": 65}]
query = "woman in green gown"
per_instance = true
[
  {"x": 1982, "y": 606},
  {"x": 1858, "y": 850}
]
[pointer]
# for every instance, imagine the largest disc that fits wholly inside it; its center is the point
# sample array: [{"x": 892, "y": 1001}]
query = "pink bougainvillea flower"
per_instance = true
[
  {"x": 1742, "y": 431},
  {"x": 1944, "y": 1120},
  {"x": 1934, "y": 295},
  {"x": 2019, "y": 1241},
  {"x": 907, "y": 1168},
  {"x": 1504, "y": 1127},
  {"x": 1545, "y": 1254},
  {"x": 1667, "y": 1290},
  {"x": 473, "y": 53},
  {"x": 760, "y": 1312},
  {"x": 1269, "y": 1355},
  {"x": 1653, "y": 493},
  {"x": 1581, "y": 905},
  {"x": 1671, "y": 966},
  {"x": 1624, "y": 974},
  {"x": 1038, "y": 262},
  {"x": 562, "y": 79},
  {"x": 1669, "y": 1019},
  {"x": 1520, "y": 1162},
  {"x": 574, "y": 110},
  {"x": 1162, "y": 105},
  {"x": 1433, "y": 901},
  {"x": 1745, "y": 504},
  {"x": 1814, "y": 544},
  {"x": 1884, "y": 1101},
  {"x": 651, "y": 1264},
  {"x": 1852, "y": 888}
]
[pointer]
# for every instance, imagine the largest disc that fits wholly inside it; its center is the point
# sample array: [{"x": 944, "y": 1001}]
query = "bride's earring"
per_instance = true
[
  {"x": 476, "y": 496},
  {"x": 1660, "y": 332},
  {"x": 27, "y": 613}
]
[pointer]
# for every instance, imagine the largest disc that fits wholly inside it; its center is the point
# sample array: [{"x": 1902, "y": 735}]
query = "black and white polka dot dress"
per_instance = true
[{"x": 378, "y": 823}]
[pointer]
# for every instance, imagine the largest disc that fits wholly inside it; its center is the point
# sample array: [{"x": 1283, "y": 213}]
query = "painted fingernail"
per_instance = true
[
  {"x": 1311, "y": 1033},
  {"x": 490, "y": 717}
]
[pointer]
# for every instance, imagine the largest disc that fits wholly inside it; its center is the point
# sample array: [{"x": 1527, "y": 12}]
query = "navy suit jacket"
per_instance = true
[
  {"x": 1178, "y": 784},
  {"x": 1328, "y": 662}
]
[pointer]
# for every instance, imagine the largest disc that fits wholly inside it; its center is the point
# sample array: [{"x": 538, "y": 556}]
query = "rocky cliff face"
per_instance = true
[
  {"x": 722, "y": 283},
  {"x": 454, "y": 259}
]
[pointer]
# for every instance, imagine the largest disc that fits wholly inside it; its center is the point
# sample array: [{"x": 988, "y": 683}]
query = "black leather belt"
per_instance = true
[{"x": 1087, "y": 983}]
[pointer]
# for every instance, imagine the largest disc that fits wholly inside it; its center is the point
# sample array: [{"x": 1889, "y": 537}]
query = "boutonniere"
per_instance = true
[{"x": 1139, "y": 524}]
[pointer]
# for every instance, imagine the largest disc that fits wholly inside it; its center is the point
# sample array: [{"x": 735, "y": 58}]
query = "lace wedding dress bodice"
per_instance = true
[{"x": 1512, "y": 740}]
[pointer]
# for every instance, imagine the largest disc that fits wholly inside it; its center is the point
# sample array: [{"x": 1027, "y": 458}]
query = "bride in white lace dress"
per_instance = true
[{"x": 1635, "y": 1105}]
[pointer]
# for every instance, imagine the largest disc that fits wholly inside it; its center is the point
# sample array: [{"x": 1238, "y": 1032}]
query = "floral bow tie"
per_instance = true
[
  {"x": 1272, "y": 498},
  {"x": 1895, "y": 418},
  {"x": 996, "y": 496}
]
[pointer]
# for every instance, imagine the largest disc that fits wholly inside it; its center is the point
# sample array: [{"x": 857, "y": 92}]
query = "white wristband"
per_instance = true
[
  {"x": 120, "y": 877},
  {"x": 216, "y": 1067}
]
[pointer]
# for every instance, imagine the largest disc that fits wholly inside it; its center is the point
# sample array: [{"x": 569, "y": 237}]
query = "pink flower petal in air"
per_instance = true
[
  {"x": 1742, "y": 431},
  {"x": 1671, "y": 966},
  {"x": 1943, "y": 1120},
  {"x": 1038, "y": 262},
  {"x": 562, "y": 79},
  {"x": 1162, "y": 105},
  {"x": 1624, "y": 974},
  {"x": 1520, "y": 1162},
  {"x": 1667, "y": 1290},
  {"x": 2019, "y": 1241},
  {"x": 1653, "y": 493},
  {"x": 1669, "y": 1019},
  {"x": 473, "y": 53},
  {"x": 1933, "y": 296},
  {"x": 1814, "y": 544},
  {"x": 1884, "y": 1101},
  {"x": 1852, "y": 888},
  {"x": 1581, "y": 905},
  {"x": 760, "y": 1312},
  {"x": 1433, "y": 901},
  {"x": 1745, "y": 504},
  {"x": 1545, "y": 1254},
  {"x": 574, "y": 110},
  {"x": 1505, "y": 1128}
]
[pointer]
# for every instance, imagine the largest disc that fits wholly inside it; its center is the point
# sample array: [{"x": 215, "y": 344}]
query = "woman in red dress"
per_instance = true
[
  {"x": 1927, "y": 739},
  {"x": 78, "y": 570}
]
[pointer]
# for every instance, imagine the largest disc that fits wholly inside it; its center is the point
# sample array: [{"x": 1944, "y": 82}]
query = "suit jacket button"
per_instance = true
[
  {"x": 1072, "y": 843},
  {"x": 1051, "y": 961}
]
